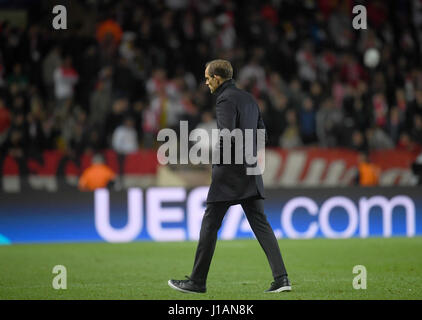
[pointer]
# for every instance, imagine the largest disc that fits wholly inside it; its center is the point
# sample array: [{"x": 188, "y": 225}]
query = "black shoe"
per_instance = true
[
  {"x": 187, "y": 286},
  {"x": 280, "y": 285}
]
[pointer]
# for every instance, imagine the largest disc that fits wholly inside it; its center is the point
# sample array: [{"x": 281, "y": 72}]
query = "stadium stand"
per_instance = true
[{"x": 65, "y": 93}]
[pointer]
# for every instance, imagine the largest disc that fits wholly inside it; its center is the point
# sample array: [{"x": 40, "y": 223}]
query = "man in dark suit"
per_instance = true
[{"x": 232, "y": 182}]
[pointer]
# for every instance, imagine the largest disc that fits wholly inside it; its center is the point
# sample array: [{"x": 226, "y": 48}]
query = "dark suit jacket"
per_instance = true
[{"x": 235, "y": 108}]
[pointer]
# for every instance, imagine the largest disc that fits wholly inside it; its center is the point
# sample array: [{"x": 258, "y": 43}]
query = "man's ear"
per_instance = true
[{"x": 219, "y": 79}]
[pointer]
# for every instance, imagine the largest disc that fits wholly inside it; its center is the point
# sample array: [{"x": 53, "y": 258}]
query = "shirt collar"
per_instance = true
[{"x": 223, "y": 86}]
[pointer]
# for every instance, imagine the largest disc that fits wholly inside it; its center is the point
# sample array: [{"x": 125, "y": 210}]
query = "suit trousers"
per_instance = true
[{"x": 211, "y": 222}]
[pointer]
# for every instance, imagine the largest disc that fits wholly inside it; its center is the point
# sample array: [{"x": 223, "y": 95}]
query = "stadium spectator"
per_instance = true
[
  {"x": 94, "y": 141},
  {"x": 417, "y": 129},
  {"x": 115, "y": 117},
  {"x": 2, "y": 79},
  {"x": 263, "y": 105},
  {"x": 414, "y": 108},
  {"x": 108, "y": 35},
  {"x": 65, "y": 77},
  {"x": 189, "y": 111},
  {"x": 417, "y": 170},
  {"x": 150, "y": 126},
  {"x": 100, "y": 103},
  {"x": 137, "y": 114},
  {"x": 405, "y": 142},
  {"x": 351, "y": 71},
  {"x": 18, "y": 78},
  {"x": 97, "y": 175},
  {"x": 51, "y": 62},
  {"x": 307, "y": 65},
  {"x": 75, "y": 131},
  {"x": 316, "y": 94},
  {"x": 277, "y": 115},
  {"x": 307, "y": 122},
  {"x": 123, "y": 79},
  {"x": 358, "y": 142},
  {"x": 5, "y": 121},
  {"x": 395, "y": 125},
  {"x": 378, "y": 139},
  {"x": 339, "y": 23},
  {"x": 328, "y": 123},
  {"x": 253, "y": 72},
  {"x": 291, "y": 134},
  {"x": 400, "y": 103},
  {"x": 208, "y": 123},
  {"x": 36, "y": 136},
  {"x": 356, "y": 109},
  {"x": 15, "y": 143},
  {"x": 380, "y": 108},
  {"x": 327, "y": 61},
  {"x": 125, "y": 138},
  {"x": 156, "y": 82},
  {"x": 295, "y": 94}
]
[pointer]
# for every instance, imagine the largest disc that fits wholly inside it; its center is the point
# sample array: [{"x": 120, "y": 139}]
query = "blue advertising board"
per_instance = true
[{"x": 174, "y": 214}]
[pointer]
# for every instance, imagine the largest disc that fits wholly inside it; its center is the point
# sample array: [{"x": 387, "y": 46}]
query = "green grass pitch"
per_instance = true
[{"x": 318, "y": 269}]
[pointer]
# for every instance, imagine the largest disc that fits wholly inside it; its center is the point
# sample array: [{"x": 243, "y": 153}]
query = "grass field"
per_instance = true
[{"x": 318, "y": 269}]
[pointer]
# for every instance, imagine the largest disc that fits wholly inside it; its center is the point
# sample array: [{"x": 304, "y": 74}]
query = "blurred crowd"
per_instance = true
[{"x": 125, "y": 69}]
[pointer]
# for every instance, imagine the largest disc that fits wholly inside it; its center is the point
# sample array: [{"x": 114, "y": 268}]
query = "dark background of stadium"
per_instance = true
[{"x": 302, "y": 60}]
